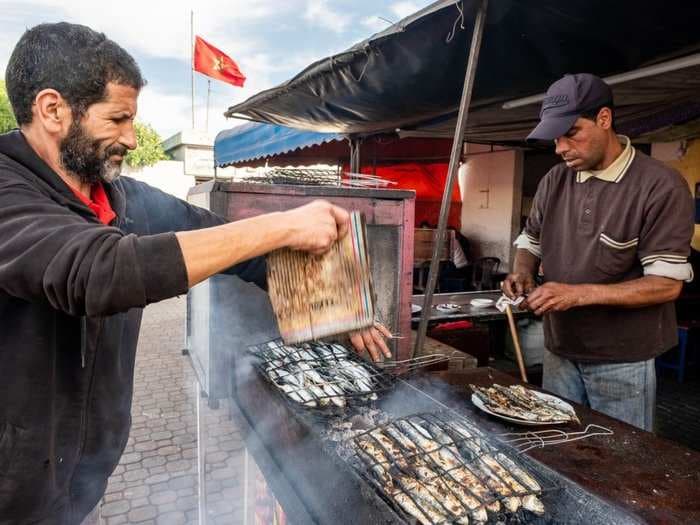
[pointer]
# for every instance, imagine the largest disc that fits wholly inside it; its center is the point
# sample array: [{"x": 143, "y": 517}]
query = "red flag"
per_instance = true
[{"x": 210, "y": 61}]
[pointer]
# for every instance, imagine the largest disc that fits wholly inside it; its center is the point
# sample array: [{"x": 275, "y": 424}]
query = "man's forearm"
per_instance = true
[
  {"x": 637, "y": 293},
  {"x": 212, "y": 250},
  {"x": 311, "y": 228},
  {"x": 525, "y": 263}
]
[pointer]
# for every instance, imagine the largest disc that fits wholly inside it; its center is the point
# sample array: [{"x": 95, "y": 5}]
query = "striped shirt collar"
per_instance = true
[{"x": 617, "y": 169}]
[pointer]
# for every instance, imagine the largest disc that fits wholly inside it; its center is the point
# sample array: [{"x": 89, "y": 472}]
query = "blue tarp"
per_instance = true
[{"x": 255, "y": 140}]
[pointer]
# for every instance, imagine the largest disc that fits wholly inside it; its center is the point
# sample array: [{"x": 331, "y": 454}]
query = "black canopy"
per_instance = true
[{"x": 410, "y": 76}]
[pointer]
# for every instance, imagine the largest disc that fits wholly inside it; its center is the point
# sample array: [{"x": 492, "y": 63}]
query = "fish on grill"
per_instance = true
[
  {"x": 444, "y": 471},
  {"x": 522, "y": 403},
  {"x": 414, "y": 477},
  {"x": 316, "y": 374}
]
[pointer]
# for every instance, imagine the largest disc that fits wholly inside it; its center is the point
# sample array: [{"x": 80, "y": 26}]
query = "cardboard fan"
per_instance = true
[{"x": 315, "y": 296}]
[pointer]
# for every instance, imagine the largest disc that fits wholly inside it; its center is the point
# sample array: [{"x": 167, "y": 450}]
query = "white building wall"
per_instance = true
[
  {"x": 491, "y": 188},
  {"x": 166, "y": 175}
]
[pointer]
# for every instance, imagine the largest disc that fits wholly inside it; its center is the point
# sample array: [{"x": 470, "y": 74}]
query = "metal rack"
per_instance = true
[
  {"x": 323, "y": 377},
  {"x": 437, "y": 468}
]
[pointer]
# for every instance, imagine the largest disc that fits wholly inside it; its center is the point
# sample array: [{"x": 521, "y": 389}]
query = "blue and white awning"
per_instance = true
[{"x": 255, "y": 141}]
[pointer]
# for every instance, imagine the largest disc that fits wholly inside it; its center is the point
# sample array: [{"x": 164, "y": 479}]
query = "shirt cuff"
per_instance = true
[
  {"x": 529, "y": 243},
  {"x": 677, "y": 271}
]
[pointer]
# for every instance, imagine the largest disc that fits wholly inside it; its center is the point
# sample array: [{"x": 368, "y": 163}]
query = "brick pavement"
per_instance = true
[{"x": 156, "y": 481}]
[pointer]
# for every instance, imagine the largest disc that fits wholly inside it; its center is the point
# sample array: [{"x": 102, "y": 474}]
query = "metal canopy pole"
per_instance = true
[
  {"x": 355, "y": 154},
  {"x": 460, "y": 128}
]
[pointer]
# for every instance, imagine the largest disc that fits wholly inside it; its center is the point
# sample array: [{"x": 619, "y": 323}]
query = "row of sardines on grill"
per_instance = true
[
  {"x": 318, "y": 375},
  {"x": 445, "y": 470}
]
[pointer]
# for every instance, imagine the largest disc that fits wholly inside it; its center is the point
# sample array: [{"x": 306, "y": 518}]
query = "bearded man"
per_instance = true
[
  {"x": 81, "y": 253},
  {"x": 612, "y": 229}
]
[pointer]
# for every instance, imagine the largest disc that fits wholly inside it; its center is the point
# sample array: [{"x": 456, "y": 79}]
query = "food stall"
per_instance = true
[
  {"x": 596, "y": 471},
  {"x": 415, "y": 448}
]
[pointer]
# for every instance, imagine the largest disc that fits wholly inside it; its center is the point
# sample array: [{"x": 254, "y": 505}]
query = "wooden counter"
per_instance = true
[{"x": 656, "y": 479}]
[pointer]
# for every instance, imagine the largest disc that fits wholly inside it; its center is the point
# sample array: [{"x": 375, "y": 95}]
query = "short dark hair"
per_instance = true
[
  {"x": 72, "y": 59},
  {"x": 593, "y": 113}
]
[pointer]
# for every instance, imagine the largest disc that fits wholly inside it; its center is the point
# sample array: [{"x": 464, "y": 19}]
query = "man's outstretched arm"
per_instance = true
[{"x": 310, "y": 228}]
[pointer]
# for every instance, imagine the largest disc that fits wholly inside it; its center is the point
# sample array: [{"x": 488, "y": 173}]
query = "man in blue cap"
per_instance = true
[{"x": 612, "y": 229}]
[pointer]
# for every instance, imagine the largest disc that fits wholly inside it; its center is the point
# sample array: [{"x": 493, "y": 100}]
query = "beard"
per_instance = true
[{"x": 81, "y": 156}]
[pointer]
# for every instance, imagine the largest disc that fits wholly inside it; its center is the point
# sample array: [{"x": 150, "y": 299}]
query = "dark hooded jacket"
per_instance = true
[{"x": 71, "y": 297}]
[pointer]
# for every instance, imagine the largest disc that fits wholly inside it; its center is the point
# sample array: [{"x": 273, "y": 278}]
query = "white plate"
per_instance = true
[
  {"x": 448, "y": 308},
  {"x": 559, "y": 403},
  {"x": 481, "y": 303},
  {"x": 415, "y": 308}
]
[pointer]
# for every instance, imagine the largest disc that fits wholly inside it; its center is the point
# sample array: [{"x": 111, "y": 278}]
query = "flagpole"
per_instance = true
[
  {"x": 192, "y": 61},
  {"x": 206, "y": 122}
]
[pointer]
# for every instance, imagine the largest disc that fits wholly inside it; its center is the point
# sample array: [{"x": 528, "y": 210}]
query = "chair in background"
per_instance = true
[
  {"x": 679, "y": 358},
  {"x": 420, "y": 280},
  {"x": 483, "y": 270}
]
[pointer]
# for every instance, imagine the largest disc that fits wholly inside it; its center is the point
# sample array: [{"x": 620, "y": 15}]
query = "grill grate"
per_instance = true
[
  {"x": 436, "y": 468},
  {"x": 297, "y": 176},
  {"x": 324, "y": 377}
]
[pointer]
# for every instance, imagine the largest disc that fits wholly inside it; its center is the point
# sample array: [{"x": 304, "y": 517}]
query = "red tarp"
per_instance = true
[{"x": 428, "y": 181}]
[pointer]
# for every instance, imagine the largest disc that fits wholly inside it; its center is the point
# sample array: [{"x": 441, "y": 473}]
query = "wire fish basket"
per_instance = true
[
  {"x": 323, "y": 378},
  {"x": 440, "y": 468},
  {"x": 408, "y": 367},
  {"x": 524, "y": 441}
]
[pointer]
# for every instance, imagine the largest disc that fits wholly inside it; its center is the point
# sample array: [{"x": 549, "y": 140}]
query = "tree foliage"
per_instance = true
[
  {"x": 149, "y": 150},
  {"x": 7, "y": 117}
]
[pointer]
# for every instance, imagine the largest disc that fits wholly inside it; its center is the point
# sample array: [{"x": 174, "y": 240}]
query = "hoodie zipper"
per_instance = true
[
  {"x": 88, "y": 395},
  {"x": 83, "y": 340}
]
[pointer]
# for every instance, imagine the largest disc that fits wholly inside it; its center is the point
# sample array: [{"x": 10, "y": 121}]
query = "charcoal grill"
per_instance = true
[
  {"x": 310, "y": 474},
  {"x": 315, "y": 481}
]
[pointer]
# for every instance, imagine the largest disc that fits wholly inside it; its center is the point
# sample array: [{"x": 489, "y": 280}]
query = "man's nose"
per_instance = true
[
  {"x": 128, "y": 138},
  {"x": 561, "y": 145}
]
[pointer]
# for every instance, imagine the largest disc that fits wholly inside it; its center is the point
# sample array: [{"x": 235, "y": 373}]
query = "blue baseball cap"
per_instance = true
[{"x": 566, "y": 100}]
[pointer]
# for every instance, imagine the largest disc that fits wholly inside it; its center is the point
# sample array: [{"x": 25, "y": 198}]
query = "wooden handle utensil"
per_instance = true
[{"x": 516, "y": 343}]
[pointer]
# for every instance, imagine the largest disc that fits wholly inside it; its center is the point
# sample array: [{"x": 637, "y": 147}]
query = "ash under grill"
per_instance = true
[
  {"x": 326, "y": 378},
  {"x": 442, "y": 469}
]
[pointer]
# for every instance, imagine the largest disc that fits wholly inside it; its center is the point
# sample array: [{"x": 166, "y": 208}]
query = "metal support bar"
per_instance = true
[
  {"x": 355, "y": 154},
  {"x": 452, "y": 170}
]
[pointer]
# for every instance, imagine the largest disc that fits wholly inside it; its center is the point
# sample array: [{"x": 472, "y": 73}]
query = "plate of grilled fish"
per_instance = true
[{"x": 523, "y": 406}]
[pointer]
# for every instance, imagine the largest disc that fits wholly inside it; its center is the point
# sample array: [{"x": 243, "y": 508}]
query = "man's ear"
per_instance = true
[
  {"x": 51, "y": 111},
  {"x": 604, "y": 118}
]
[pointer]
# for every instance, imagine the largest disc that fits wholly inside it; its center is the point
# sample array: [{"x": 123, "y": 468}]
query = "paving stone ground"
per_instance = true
[{"x": 156, "y": 481}]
